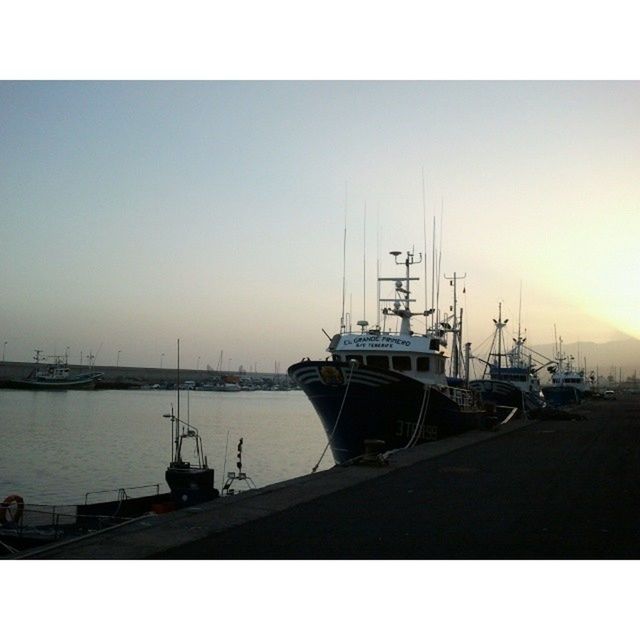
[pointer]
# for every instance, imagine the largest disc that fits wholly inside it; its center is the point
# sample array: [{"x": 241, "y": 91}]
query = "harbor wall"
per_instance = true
[{"x": 136, "y": 375}]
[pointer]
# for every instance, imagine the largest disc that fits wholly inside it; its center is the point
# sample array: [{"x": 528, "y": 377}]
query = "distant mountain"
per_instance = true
[{"x": 605, "y": 356}]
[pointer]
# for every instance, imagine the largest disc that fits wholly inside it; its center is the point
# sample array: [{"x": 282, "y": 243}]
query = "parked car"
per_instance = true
[{"x": 609, "y": 394}]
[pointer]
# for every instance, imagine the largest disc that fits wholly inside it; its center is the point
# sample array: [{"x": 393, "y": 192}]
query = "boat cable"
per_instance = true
[
  {"x": 421, "y": 416},
  {"x": 352, "y": 364},
  {"x": 426, "y": 396},
  {"x": 9, "y": 548}
]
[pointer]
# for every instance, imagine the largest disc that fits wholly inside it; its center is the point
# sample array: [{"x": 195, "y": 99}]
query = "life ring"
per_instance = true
[{"x": 9, "y": 515}]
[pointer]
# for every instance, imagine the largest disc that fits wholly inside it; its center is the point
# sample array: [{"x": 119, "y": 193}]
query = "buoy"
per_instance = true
[{"x": 7, "y": 514}]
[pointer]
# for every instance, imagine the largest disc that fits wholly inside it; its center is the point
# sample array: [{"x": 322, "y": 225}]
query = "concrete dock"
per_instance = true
[{"x": 532, "y": 490}]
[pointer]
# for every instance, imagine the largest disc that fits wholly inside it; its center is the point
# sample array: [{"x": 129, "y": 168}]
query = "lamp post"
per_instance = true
[
  {"x": 118, "y": 358},
  {"x": 161, "y": 356},
  {"x": 4, "y": 346},
  {"x": 198, "y": 364}
]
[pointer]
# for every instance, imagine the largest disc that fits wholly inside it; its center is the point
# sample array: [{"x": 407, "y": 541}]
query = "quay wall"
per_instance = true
[{"x": 140, "y": 375}]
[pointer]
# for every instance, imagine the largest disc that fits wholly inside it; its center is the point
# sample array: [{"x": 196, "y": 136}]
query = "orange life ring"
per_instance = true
[{"x": 9, "y": 515}]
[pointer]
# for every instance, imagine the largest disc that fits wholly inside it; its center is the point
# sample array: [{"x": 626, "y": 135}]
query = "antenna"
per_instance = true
[
  {"x": 344, "y": 257},
  {"x": 378, "y": 267},
  {"x": 364, "y": 266},
  {"x": 433, "y": 265},
  {"x": 424, "y": 233},
  {"x": 520, "y": 310},
  {"x": 439, "y": 258},
  {"x": 178, "y": 380}
]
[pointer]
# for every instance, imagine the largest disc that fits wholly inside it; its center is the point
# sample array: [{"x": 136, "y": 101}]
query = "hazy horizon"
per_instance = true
[{"x": 136, "y": 213}]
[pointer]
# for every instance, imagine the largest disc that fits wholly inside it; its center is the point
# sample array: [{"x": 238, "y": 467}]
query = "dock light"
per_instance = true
[
  {"x": 395, "y": 253},
  {"x": 166, "y": 415}
]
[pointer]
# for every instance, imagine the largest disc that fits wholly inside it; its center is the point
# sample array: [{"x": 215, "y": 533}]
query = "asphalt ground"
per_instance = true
[{"x": 540, "y": 490}]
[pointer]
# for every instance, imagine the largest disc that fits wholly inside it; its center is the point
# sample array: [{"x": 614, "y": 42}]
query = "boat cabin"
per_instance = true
[{"x": 417, "y": 356}]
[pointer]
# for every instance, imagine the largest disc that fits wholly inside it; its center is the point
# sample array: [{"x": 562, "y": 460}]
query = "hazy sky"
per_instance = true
[{"x": 136, "y": 213}]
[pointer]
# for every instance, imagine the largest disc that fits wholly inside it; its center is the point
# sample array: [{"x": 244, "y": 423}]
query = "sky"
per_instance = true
[{"x": 135, "y": 213}]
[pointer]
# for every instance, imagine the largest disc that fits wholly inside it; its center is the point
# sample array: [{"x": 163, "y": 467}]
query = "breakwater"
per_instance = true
[{"x": 131, "y": 377}]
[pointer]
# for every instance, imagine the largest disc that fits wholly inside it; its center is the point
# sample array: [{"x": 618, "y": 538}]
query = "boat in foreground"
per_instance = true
[
  {"x": 190, "y": 482},
  {"x": 382, "y": 389}
]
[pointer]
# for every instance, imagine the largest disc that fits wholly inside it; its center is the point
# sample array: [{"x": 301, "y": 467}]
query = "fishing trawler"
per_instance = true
[
  {"x": 387, "y": 389},
  {"x": 56, "y": 376},
  {"x": 568, "y": 384},
  {"x": 510, "y": 378}
]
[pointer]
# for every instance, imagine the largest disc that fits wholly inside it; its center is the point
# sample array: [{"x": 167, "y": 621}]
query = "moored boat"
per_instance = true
[
  {"x": 188, "y": 476},
  {"x": 387, "y": 389},
  {"x": 56, "y": 376},
  {"x": 510, "y": 377},
  {"x": 569, "y": 385}
]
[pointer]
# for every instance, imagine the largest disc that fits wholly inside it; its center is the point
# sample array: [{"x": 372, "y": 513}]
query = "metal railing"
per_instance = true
[
  {"x": 44, "y": 524},
  {"x": 120, "y": 494}
]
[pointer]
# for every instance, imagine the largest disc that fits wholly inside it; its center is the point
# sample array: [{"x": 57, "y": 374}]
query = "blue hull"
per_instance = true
[
  {"x": 365, "y": 403},
  {"x": 505, "y": 394},
  {"x": 562, "y": 396}
]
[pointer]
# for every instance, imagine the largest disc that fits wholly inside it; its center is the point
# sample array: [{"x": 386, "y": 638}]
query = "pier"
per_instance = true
[{"x": 562, "y": 489}]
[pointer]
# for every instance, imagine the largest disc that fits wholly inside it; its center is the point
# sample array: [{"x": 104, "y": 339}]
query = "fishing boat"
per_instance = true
[
  {"x": 55, "y": 376},
  {"x": 383, "y": 389},
  {"x": 568, "y": 384},
  {"x": 510, "y": 377}
]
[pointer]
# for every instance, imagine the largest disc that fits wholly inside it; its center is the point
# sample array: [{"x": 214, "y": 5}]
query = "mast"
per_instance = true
[
  {"x": 364, "y": 268},
  {"x": 456, "y": 347},
  {"x": 403, "y": 293},
  {"x": 499, "y": 327}
]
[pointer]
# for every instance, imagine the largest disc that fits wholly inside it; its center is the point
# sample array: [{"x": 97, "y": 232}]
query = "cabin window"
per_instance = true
[
  {"x": 401, "y": 363},
  {"x": 422, "y": 364},
  {"x": 381, "y": 362}
]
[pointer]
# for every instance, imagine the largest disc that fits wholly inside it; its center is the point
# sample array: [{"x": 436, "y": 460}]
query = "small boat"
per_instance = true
[
  {"x": 190, "y": 482},
  {"x": 510, "y": 378},
  {"x": 383, "y": 389},
  {"x": 56, "y": 376}
]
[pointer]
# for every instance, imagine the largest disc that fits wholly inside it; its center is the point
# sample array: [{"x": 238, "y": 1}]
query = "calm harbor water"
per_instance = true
[{"x": 58, "y": 445}]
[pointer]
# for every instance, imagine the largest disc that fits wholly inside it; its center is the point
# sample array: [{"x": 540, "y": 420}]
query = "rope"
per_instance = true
[
  {"x": 8, "y": 547},
  {"x": 344, "y": 397},
  {"x": 426, "y": 396}
]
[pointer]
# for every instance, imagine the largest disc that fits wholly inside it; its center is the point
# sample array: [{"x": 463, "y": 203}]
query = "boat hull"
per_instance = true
[
  {"x": 36, "y": 385},
  {"x": 360, "y": 404},
  {"x": 506, "y": 394},
  {"x": 561, "y": 396}
]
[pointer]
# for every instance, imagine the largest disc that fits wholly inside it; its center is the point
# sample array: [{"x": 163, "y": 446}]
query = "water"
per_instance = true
[{"x": 56, "y": 446}]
